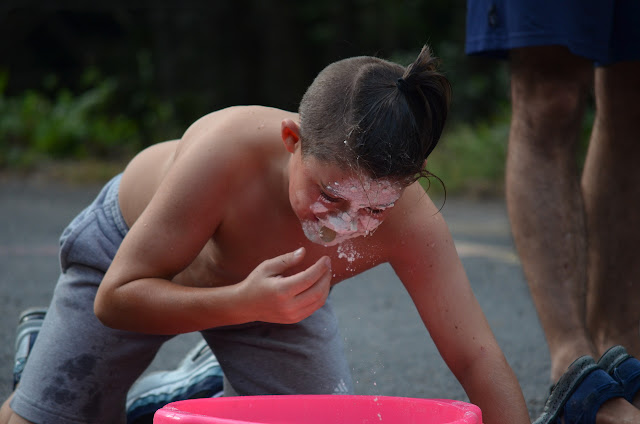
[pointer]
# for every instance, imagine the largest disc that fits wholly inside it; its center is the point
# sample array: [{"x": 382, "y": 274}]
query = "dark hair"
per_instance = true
[{"x": 375, "y": 115}]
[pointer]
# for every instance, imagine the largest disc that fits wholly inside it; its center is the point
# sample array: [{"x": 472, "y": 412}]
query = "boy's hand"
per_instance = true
[{"x": 270, "y": 297}]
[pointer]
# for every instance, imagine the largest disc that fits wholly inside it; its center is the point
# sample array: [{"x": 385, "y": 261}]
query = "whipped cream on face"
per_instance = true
[{"x": 363, "y": 197}]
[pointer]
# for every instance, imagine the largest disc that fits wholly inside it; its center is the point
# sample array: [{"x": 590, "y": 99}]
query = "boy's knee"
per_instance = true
[
  {"x": 7, "y": 416},
  {"x": 15, "y": 419},
  {"x": 12, "y": 418}
]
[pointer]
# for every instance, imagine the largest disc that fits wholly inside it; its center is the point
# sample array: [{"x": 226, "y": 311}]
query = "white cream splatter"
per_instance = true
[{"x": 361, "y": 200}]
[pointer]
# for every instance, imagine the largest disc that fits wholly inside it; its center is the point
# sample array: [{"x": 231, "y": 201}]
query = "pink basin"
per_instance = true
[{"x": 318, "y": 409}]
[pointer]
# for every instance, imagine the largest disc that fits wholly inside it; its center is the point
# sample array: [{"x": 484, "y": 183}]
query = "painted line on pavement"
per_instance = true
[{"x": 487, "y": 251}]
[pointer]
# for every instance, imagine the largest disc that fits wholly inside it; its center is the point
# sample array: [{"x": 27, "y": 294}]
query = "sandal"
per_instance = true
[
  {"x": 624, "y": 368},
  {"x": 579, "y": 393}
]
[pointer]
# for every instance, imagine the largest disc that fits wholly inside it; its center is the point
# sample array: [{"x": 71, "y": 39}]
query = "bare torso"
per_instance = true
[{"x": 257, "y": 222}]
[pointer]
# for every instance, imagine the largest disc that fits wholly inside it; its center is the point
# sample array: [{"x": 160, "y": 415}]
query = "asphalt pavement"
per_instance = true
[{"x": 389, "y": 349}]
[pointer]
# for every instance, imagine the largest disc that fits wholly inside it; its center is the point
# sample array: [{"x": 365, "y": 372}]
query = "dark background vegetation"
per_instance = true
[{"x": 100, "y": 80}]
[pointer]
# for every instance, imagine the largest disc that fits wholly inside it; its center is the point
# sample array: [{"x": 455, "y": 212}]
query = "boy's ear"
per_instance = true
[{"x": 290, "y": 134}]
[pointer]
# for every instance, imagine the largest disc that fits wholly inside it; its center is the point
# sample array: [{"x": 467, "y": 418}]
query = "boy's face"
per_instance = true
[{"x": 334, "y": 204}]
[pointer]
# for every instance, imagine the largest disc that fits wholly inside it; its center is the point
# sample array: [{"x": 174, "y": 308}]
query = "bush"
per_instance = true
[
  {"x": 471, "y": 157},
  {"x": 36, "y": 126}
]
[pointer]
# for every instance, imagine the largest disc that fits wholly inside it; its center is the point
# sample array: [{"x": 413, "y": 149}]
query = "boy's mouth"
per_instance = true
[{"x": 327, "y": 234}]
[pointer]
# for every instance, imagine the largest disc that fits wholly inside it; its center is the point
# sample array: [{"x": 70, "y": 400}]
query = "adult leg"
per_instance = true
[
  {"x": 546, "y": 208},
  {"x": 611, "y": 187},
  {"x": 549, "y": 88}
]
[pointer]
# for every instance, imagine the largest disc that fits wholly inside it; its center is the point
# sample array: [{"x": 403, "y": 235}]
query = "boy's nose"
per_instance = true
[{"x": 345, "y": 216}]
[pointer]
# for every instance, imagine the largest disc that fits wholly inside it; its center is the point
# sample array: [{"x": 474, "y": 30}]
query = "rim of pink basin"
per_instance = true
[{"x": 318, "y": 409}]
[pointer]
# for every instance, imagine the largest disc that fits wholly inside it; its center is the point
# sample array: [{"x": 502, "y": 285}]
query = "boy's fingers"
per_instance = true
[
  {"x": 305, "y": 279},
  {"x": 318, "y": 292},
  {"x": 315, "y": 297},
  {"x": 281, "y": 263}
]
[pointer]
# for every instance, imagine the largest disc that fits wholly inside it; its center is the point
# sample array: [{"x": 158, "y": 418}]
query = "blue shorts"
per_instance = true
[{"x": 604, "y": 31}]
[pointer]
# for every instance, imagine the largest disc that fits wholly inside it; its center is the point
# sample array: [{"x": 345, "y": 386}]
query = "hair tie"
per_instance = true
[{"x": 402, "y": 85}]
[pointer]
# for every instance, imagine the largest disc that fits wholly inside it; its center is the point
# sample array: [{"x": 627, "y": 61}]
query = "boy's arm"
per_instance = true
[
  {"x": 429, "y": 267},
  {"x": 137, "y": 293}
]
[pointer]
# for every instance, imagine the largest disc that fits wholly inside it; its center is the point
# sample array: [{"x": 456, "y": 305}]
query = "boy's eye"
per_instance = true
[
  {"x": 373, "y": 211},
  {"x": 325, "y": 196}
]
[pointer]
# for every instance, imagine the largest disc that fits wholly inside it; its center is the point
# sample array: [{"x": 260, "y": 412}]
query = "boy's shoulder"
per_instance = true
[
  {"x": 414, "y": 215},
  {"x": 244, "y": 118},
  {"x": 232, "y": 141},
  {"x": 243, "y": 129}
]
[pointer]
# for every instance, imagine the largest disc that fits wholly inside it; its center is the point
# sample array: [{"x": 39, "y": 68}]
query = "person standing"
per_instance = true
[{"x": 575, "y": 229}]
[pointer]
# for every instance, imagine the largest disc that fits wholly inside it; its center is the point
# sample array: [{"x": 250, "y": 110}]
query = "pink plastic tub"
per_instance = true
[{"x": 318, "y": 409}]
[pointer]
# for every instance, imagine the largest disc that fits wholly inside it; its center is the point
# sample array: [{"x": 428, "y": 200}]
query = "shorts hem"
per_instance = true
[
  {"x": 500, "y": 45},
  {"x": 32, "y": 412}
]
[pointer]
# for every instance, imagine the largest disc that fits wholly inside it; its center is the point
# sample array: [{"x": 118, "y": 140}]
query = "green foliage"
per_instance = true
[
  {"x": 585, "y": 133},
  {"x": 471, "y": 157},
  {"x": 169, "y": 64},
  {"x": 37, "y": 126}
]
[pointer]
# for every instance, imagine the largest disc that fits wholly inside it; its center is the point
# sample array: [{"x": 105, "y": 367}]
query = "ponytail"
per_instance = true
[{"x": 428, "y": 94}]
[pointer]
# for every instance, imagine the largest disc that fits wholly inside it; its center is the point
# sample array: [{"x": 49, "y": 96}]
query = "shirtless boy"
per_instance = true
[{"x": 235, "y": 231}]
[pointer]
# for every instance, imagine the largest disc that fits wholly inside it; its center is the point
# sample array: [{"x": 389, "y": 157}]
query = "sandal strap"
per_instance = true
[
  {"x": 613, "y": 357},
  {"x": 624, "y": 368},
  {"x": 583, "y": 405},
  {"x": 627, "y": 374},
  {"x": 579, "y": 393}
]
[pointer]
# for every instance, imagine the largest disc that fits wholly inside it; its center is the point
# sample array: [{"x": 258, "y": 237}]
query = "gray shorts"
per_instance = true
[{"x": 79, "y": 371}]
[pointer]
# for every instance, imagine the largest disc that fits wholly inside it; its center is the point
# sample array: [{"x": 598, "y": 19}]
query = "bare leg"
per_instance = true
[
  {"x": 549, "y": 88},
  {"x": 547, "y": 212},
  {"x": 7, "y": 416},
  {"x": 611, "y": 187}
]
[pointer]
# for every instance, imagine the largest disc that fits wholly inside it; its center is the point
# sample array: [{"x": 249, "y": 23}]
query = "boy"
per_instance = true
[{"x": 228, "y": 233}]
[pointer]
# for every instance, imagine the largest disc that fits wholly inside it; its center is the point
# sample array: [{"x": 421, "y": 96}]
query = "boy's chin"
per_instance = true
[{"x": 335, "y": 242}]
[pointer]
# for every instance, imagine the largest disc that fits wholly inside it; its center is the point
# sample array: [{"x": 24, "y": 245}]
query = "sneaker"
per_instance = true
[
  {"x": 198, "y": 376},
  {"x": 29, "y": 325}
]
